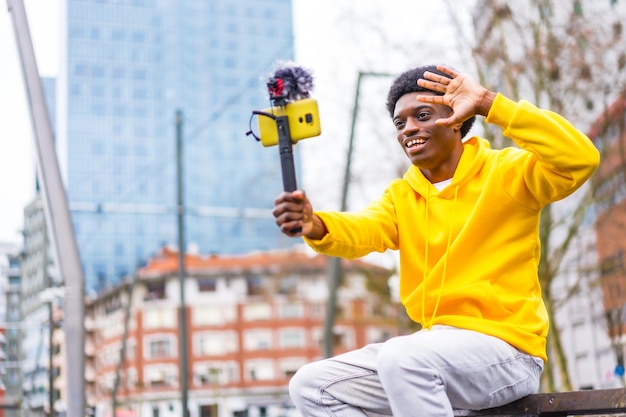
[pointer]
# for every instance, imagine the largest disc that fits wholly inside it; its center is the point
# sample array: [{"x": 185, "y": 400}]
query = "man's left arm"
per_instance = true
[{"x": 565, "y": 157}]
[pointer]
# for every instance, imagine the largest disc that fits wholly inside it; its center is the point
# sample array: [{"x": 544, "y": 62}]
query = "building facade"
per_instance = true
[
  {"x": 10, "y": 364},
  {"x": 253, "y": 320},
  {"x": 581, "y": 318},
  {"x": 610, "y": 194},
  {"x": 127, "y": 68},
  {"x": 40, "y": 294}
]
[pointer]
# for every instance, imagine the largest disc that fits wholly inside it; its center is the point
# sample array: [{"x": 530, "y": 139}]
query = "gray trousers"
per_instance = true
[{"x": 427, "y": 373}]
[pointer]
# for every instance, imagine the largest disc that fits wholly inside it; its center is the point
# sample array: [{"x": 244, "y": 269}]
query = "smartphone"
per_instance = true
[{"x": 302, "y": 115}]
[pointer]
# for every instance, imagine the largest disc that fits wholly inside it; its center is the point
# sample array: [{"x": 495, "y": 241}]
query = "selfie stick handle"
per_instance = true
[{"x": 285, "y": 149}]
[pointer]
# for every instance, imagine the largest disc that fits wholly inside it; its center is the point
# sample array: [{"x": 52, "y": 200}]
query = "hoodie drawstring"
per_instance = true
[
  {"x": 425, "y": 266},
  {"x": 445, "y": 264}
]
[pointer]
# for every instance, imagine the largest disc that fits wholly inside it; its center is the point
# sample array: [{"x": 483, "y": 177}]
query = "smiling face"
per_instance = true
[{"x": 435, "y": 150}]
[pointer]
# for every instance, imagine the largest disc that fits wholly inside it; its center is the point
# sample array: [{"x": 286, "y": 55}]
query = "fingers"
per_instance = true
[
  {"x": 432, "y": 85},
  {"x": 431, "y": 99},
  {"x": 291, "y": 211},
  {"x": 447, "y": 122},
  {"x": 437, "y": 78},
  {"x": 437, "y": 82},
  {"x": 446, "y": 70}
]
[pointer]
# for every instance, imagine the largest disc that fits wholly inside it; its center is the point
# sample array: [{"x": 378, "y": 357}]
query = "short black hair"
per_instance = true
[{"x": 406, "y": 83}]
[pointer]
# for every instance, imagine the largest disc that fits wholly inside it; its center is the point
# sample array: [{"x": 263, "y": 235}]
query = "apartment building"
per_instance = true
[
  {"x": 253, "y": 320},
  {"x": 610, "y": 196},
  {"x": 9, "y": 328}
]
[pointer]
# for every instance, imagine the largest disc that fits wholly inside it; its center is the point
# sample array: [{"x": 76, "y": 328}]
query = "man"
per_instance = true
[{"x": 465, "y": 219}]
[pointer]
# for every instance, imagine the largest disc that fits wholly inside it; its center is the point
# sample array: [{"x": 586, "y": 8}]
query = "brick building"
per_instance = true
[
  {"x": 610, "y": 195},
  {"x": 253, "y": 320}
]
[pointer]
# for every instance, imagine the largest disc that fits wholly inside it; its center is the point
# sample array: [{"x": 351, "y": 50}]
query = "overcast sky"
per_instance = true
[
  {"x": 17, "y": 160},
  {"x": 335, "y": 39}
]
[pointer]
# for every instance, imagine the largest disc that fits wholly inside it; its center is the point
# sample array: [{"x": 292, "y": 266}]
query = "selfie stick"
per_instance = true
[
  {"x": 285, "y": 148},
  {"x": 288, "y": 84}
]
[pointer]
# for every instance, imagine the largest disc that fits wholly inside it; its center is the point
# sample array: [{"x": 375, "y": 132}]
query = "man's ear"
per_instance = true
[{"x": 457, "y": 126}]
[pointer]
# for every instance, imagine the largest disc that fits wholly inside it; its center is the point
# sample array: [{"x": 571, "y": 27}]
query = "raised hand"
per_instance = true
[{"x": 461, "y": 93}]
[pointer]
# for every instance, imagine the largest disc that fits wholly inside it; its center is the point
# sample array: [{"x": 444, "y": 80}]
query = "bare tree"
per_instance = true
[{"x": 567, "y": 56}]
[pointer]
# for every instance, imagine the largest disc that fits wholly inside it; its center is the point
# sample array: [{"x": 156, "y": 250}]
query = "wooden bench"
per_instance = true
[{"x": 574, "y": 403}]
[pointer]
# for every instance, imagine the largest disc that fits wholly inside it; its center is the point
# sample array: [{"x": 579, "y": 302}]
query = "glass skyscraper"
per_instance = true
[{"x": 127, "y": 66}]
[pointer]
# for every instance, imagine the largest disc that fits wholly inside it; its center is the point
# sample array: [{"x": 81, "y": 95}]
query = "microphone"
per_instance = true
[{"x": 289, "y": 83}]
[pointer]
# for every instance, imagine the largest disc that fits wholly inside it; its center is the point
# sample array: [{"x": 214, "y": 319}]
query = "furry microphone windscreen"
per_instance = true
[{"x": 290, "y": 82}]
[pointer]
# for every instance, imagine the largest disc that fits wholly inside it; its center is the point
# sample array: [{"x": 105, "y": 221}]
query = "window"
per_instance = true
[
  {"x": 215, "y": 343},
  {"x": 291, "y": 311},
  {"x": 257, "y": 311},
  {"x": 119, "y": 72},
  {"x": 213, "y": 315},
  {"x": 118, "y": 35},
  {"x": 157, "y": 376},
  {"x": 255, "y": 285},
  {"x": 376, "y": 334},
  {"x": 212, "y": 373},
  {"x": 97, "y": 71},
  {"x": 140, "y": 74},
  {"x": 260, "y": 370},
  {"x": 208, "y": 410},
  {"x": 155, "y": 291},
  {"x": 207, "y": 374},
  {"x": 139, "y": 37},
  {"x": 97, "y": 90},
  {"x": 160, "y": 348},
  {"x": 258, "y": 339},
  {"x": 207, "y": 284},
  {"x": 288, "y": 285},
  {"x": 157, "y": 318},
  {"x": 140, "y": 93},
  {"x": 292, "y": 338},
  {"x": 343, "y": 337},
  {"x": 317, "y": 310}
]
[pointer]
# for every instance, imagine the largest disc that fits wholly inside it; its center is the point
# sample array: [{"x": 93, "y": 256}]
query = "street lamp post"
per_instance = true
[
  {"x": 334, "y": 263},
  {"x": 57, "y": 215},
  {"x": 182, "y": 336}
]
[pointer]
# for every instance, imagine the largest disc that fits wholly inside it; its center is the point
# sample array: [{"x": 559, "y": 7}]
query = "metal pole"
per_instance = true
[
  {"x": 334, "y": 263},
  {"x": 122, "y": 362},
  {"x": 50, "y": 358},
  {"x": 182, "y": 336},
  {"x": 57, "y": 217}
]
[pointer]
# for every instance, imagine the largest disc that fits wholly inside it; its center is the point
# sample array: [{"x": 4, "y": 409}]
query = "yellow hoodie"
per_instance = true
[{"x": 469, "y": 253}]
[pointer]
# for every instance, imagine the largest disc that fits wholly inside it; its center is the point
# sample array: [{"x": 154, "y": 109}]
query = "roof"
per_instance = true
[{"x": 166, "y": 262}]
